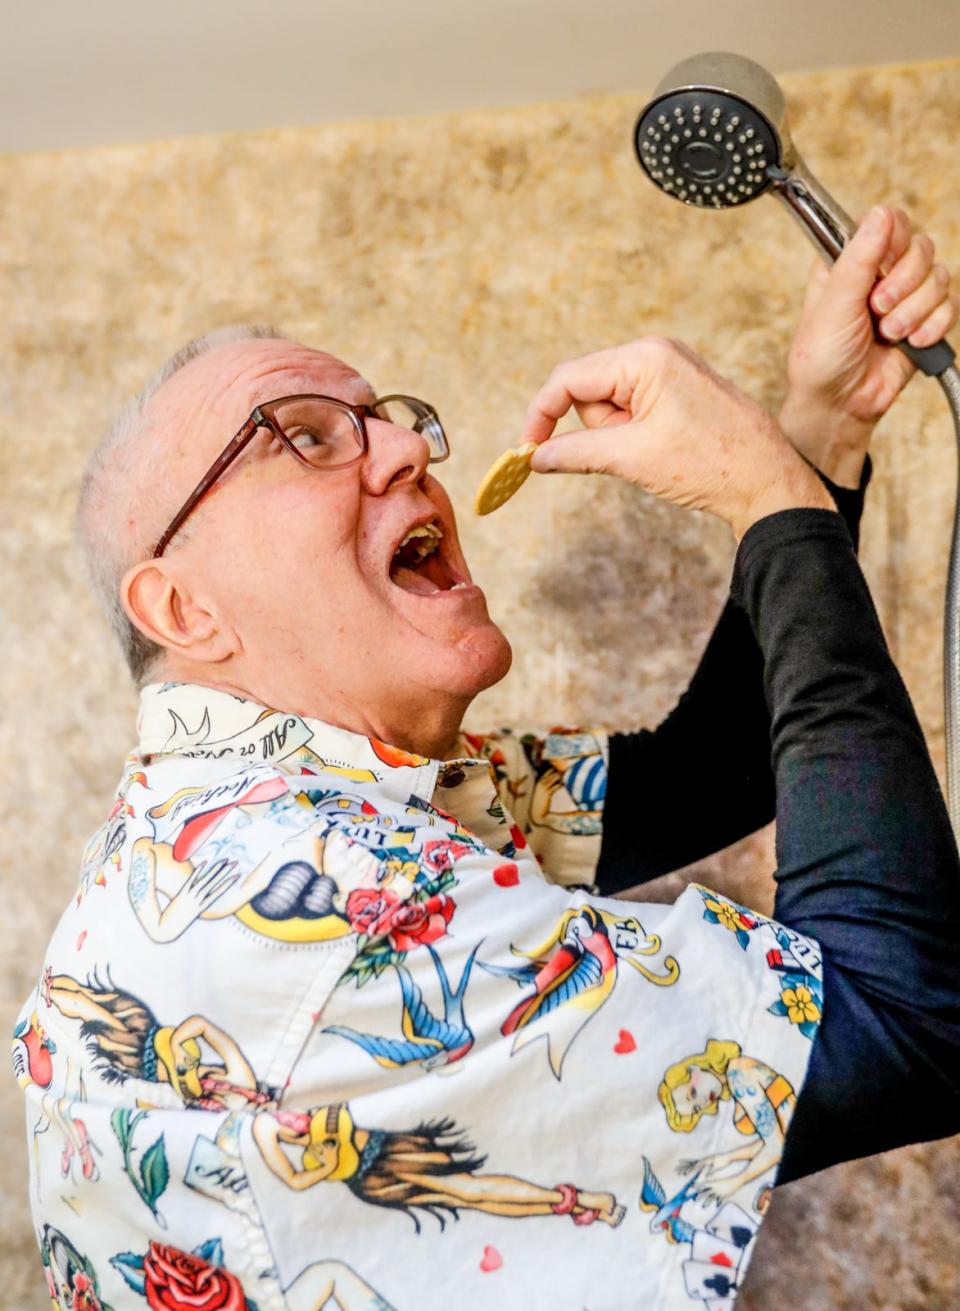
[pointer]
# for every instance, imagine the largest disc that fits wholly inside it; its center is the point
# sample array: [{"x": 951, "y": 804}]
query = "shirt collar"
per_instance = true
[{"x": 198, "y": 722}]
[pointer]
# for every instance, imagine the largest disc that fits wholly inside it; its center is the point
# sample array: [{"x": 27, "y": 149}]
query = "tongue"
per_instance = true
[{"x": 411, "y": 581}]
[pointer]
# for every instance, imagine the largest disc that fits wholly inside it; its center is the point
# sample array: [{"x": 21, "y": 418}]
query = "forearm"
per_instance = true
[
  {"x": 866, "y": 859},
  {"x": 702, "y": 779}
]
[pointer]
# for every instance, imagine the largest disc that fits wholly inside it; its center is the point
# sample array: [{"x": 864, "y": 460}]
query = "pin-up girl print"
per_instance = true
[
  {"x": 571, "y": 782},
  {"x": 325, "y": 1285},
  {"x": 432, "y": 1168},
  {"x": 32, "y": 1064},
  {"x": 127, "y": 1042},
  {"x": 77, "y": 1159},
  {"x": 202, "y": 863},
  {"x": 763, "y": 1104},
  {"x": 199, "y": 863}
]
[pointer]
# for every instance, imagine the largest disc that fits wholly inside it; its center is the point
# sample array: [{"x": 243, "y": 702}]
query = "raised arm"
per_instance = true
[{"x": 703, "y": 779}]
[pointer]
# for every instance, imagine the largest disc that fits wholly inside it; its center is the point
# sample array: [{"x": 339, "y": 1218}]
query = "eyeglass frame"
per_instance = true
[{"x": 260, "y": 418}]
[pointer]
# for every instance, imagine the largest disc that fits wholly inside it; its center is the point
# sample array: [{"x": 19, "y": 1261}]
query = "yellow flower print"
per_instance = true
[
  {"x": 396, "y": 871},
  {"x": 734, "y": 918},
  {"x": 726, "y": 914},
  {"x": 801, "y": 1008}
]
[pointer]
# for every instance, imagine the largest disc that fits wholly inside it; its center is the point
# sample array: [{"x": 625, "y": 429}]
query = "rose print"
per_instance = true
[
  {"x": 172, "y": 1280},
  {"x": 405, "y": 924},
  {"x": 175, "y": 1280},
  {"x": 421, "y": 923}
]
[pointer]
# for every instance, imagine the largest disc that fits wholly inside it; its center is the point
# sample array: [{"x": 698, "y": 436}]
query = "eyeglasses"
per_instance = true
[{"x": 320, "y": 432}]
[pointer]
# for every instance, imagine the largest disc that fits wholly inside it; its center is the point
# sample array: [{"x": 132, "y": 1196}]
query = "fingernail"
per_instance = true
[
  {"x": 875, "y": 219},
  {"x": 883, "y": 302},
  {"x": 893, "y": 328}
]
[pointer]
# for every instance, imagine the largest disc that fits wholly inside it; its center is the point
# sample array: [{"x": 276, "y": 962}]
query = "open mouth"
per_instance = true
[{"x": 420, "y": 563}]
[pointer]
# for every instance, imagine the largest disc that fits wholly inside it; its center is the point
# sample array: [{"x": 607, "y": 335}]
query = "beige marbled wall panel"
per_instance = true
[{"x": 460, "y": 257}]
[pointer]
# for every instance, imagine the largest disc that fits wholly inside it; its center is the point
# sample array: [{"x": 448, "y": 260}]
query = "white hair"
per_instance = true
[{"x": 121, "y": 472}]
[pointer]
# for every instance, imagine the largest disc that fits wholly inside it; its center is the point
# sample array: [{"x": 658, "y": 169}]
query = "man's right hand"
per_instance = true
[{"x": 657, "y": 415}]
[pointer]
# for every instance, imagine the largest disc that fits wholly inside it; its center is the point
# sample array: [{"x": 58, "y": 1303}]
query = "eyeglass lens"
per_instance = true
[
  {"x": 326, "y": 435},
  {"x": 323, "y": 434},
  {"x": 406, "y": 413}
]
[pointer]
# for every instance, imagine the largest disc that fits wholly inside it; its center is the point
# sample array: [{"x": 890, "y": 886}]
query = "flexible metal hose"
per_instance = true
[{"x": 950, "y": 382}]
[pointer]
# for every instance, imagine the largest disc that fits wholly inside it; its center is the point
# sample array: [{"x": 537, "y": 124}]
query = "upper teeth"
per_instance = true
[{"x": 431, "y": 534}]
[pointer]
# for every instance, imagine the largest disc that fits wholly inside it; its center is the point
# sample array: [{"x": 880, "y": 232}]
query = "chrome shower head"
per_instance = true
[
  {"x": 715, "y": 135},
  {"x": 715, "y": 125}
]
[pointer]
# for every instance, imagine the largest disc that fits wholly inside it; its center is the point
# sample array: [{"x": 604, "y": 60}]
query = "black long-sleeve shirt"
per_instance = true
[{"x": 797, "y": 712}]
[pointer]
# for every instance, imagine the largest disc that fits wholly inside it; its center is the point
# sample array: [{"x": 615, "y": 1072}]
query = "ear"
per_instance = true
[{"x": 159, "y": 601}]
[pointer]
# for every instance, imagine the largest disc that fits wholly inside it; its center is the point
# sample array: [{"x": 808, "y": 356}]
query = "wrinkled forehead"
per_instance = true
[{"x": 200, "y": 408}]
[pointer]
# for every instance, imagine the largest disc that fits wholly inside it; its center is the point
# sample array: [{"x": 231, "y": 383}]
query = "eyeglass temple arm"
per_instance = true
[{"x": 225, "y": 458}]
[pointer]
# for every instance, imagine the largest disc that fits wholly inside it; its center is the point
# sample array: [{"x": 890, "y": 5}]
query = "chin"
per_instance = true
[{"x": 479, "y": 661}]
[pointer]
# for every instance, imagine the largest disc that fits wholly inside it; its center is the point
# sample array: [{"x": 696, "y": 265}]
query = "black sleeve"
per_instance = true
[
  {"x": 866, "y": 858},
  {"x": 713, "y": 750}
]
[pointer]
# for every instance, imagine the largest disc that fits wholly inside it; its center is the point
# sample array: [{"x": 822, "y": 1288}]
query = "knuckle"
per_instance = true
[
  {"x": 924, "y": 244},
  {"x": 941, "y": 275},
  {"x": 657, "y": 343},
  {"x": 659, "y": 350}
]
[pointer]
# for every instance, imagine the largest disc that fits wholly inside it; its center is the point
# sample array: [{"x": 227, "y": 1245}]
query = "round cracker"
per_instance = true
[{"x": 505, "y": 476}]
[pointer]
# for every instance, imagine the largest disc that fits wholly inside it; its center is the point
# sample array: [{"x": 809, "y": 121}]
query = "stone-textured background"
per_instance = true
[{"x": 461, "y": 257}]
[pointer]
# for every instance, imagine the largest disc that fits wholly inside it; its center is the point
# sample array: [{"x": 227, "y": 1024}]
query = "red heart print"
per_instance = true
[
  {"x": 506, "y": 876},
  {"x": 492, "y": 1260},
  {"x": 625, "y": 1043}
]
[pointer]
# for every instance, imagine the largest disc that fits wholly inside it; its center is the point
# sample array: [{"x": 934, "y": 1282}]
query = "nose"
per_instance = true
[{"x": 395, "y": 456}]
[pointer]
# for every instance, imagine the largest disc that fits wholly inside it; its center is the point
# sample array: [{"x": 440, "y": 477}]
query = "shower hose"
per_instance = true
[{"x": 949, "y": 380}]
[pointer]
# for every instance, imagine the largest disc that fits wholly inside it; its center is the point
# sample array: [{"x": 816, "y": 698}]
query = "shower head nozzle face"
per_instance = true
[{"x": 706, "y": 147}]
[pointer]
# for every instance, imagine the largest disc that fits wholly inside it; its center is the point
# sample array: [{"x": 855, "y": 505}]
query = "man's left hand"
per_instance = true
[{"x": 841, "y": 379}]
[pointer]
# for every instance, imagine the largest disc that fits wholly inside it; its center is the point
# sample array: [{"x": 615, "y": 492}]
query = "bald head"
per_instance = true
[{"x": 122, "y": 487}]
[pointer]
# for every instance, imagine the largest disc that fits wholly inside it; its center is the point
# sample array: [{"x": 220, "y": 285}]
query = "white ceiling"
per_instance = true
[{"x": 79, "y": 73}]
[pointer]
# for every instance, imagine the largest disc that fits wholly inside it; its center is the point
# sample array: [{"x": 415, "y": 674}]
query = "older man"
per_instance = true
[{"x": 322, "y": 943}]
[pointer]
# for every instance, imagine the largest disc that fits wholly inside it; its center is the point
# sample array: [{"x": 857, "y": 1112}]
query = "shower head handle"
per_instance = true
[
  {"x": 830, "y": 228},
  {"x": 822, "y": 220}
]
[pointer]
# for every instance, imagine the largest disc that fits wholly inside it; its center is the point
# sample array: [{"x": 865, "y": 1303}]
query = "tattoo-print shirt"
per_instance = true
[{"x": 330, "y": 1025}]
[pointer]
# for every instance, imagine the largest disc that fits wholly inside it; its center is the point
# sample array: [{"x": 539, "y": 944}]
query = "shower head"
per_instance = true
[
  {"x": 715, "y": 135},
  {"x": 714, "y": 126}
]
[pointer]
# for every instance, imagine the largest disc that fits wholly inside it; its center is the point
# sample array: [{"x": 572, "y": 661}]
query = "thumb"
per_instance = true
[
  {"x": 817, "y": 284},
  {"x": 581, "y": 451},
  {"x": 858, "y": 264}
]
